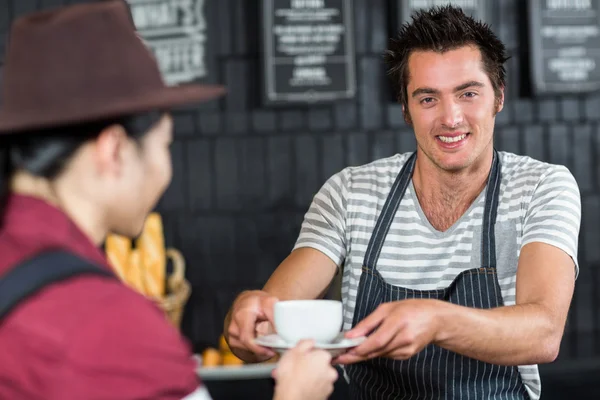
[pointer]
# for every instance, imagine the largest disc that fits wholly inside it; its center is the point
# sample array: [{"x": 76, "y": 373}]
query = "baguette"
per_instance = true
[{"x": 151, "y": 245}]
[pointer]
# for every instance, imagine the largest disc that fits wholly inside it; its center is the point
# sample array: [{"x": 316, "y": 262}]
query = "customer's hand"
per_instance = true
[
  {"x": 304, "y": 373},
  {"x": 251, "y": 315}
]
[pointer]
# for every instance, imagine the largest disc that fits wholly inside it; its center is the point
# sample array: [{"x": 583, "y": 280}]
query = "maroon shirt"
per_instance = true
[{"x": 88, "y": 337}]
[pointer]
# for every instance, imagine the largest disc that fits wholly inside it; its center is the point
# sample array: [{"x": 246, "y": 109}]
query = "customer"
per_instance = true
[{"x": 85, "y": 136}]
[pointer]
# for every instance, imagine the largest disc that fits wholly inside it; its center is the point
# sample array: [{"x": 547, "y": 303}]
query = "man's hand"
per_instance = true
[
  {"x": 251, "y": 315},
  {"x": 395, "y": 330}
]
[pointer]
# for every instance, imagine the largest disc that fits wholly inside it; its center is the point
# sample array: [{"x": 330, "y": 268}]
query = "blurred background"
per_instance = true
[{"x": 302, "y": 106}]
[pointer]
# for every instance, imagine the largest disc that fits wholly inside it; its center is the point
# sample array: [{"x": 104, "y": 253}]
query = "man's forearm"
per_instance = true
[
  {"x": 305, "y": 274},
  {"x": 512, "y": 335}
]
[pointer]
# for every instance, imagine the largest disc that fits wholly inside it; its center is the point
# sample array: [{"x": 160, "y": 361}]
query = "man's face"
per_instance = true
[{"x": 452, "y": 106}]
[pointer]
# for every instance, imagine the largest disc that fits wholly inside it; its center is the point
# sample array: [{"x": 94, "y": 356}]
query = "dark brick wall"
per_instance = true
[{"x": 245, "y": 174}]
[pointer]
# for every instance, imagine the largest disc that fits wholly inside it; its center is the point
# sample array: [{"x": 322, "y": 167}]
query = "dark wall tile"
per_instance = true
[
  {"x": 252, "y": 173},
  {"x": 407, "y": 141},
  {"x": 274, "y": 242},
  {"x": 246, "y": 26},
  {"x": 175, "y": 195},
  {"x": 379, "y": 32},
  {"x": 383, "y": 145},
  {"x": 280, "y": 188},
  {"x": 184, "y": 124},
  {"x": 332, "y": 154},
  {"x": 1, "y": 79},
  {"x": 590, "y": 211},
  {"x": 361, "y": 24},
  {"x": 5, "y": 17},
  {"x": 263, "y": 121},
  {"x": 210, "y": 123},
  {"x": 170, "y": 222},
  {"x": 237, "y": 75},
  {"x": 357, "y": 149},
  {"x": 200, "y": 308},
  {"x": 559, "y": 145},
  {"x": 345, "y": 115},
  {"x": 522, "y": 111},
  {"x": 211, "y": 105},
  {"x": 547, "y": 110},
  {"x": 307, "y": 180},
  {"x": 583, "y": 165},
  {"x": 292, "y": 120},
  {"x": 237, "y": 123},
  {"x": 226, "y": 174},
  {"x": 224, "y": 30},
  {"x": 508, "y": 27},
  {"x": 277, "y": 233},
  {"x": 591, "y": 109},
  {"x": 505, "y": 117},
  {"x": 509, "y": 139},
  {"x": 20, "y": 7},
  {"x": 247, "y": 239},
  {"x": 371, "y": 108},
  {"x": 534, "y": 142},
  {"x": 583, "y": 309},
  {"x": 513, "y": 70},
  {"x": 319, "y": 119},
  {"x": 597, "y": 153},
  {"x": 200, "y": 173},
  {"x": 570, "y": 109},
  {"x": 211, "y": 242},
  {"x": 395, "y": 117}
]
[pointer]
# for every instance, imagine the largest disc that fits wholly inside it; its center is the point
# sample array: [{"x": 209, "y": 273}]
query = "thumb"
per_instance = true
[
  {"x": 367, "y": 325},
  {"x": 304, "y": 346},
  {"x": 268, "y": 304}
]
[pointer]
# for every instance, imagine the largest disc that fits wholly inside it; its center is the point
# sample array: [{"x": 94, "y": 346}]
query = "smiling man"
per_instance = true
[{"x": 458, "y": 260}]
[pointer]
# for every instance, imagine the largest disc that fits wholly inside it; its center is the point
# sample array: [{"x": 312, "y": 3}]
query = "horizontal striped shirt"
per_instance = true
[{"x": 539, "y": 202}]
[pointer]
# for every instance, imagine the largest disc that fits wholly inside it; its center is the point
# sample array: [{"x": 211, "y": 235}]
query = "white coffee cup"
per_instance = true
[{"x": 319, "y": 320}]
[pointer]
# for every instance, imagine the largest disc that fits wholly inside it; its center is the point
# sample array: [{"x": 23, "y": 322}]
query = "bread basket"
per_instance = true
[{"x": 178, "y": 289}]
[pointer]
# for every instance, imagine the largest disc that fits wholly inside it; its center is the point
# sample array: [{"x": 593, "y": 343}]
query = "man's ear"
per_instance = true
[
  {"x": 500, "y": 101},
  {"x": 109, "y": 149}
]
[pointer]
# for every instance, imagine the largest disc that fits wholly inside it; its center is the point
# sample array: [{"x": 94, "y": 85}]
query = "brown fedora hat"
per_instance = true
[{"x": 83, "y": 63}]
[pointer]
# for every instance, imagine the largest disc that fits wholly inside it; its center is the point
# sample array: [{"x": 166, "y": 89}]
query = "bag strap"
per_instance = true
[{"x": 30, "y": 276}]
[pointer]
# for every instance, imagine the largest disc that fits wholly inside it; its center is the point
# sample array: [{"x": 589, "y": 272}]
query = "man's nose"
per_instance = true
[{"x": 451, "y": 115}]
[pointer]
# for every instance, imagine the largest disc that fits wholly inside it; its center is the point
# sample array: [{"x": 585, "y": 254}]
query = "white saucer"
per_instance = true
[{"x": 338, "y": 346}]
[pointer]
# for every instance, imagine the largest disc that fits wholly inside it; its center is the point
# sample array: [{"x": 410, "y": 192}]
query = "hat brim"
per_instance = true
[{"x": 164, "y": 98}]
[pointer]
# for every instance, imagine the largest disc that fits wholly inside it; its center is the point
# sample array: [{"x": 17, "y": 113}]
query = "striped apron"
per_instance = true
[{"x": 434, "y": 372}]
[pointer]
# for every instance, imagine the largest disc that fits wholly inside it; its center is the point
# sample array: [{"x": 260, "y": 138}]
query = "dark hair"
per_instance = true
[
  {"x": 442, "y": 29},
  {"x": 46, "y": 152}
]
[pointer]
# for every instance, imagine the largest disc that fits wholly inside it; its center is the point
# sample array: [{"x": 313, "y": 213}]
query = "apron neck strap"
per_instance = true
[
  {"x": 488, "y": 233},
  {"x": 382, "y": 226}
]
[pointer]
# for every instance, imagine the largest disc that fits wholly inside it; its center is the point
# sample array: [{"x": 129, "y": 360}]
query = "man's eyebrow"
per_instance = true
[
  {"x": 463, "y": 86},
  {"x": 424, "y": 90},
  {"x": 468, "y": 85}
]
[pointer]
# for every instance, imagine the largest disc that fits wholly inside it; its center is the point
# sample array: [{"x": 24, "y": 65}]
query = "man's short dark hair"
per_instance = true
[{"x": 442, "y": 29}]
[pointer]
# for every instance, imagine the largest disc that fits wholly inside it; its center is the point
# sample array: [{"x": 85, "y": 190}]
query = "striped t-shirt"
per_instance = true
[{"x": 539, "y": 202}]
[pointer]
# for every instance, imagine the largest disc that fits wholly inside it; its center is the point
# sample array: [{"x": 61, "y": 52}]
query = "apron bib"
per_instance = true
[{"x": 434, "y": 372}]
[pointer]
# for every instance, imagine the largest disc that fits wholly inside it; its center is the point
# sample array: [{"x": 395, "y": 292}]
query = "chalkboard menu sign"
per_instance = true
[
  {"x": 565, "y": 45},
  {"x": 308, "y": 49},
  {"x": 176, "y": 32},
  {"x": 478, "y": 9}
]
